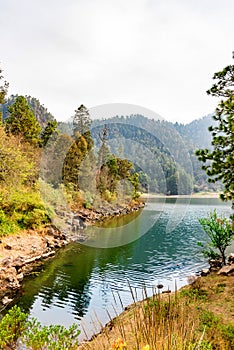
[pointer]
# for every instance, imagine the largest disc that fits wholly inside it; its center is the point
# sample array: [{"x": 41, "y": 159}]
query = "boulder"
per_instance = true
[
  {"x": 7, "y": 262},
  {"x": 226, "y": 270},
  {"x": 18, "y": 262},
  {"x": 20, "y": 277},
  {"x": 6, "y": 300},
  {"x": 215, "y": 265},
  {"x": 205, "y": 272},
  {"x": 230, "y": 258}
]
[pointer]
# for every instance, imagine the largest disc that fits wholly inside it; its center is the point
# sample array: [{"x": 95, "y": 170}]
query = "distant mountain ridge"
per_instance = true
[{"x": 197, "y": 131}]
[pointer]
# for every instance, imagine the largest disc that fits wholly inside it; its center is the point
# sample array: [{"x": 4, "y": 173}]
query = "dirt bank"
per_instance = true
[{"x": 22, "y": 252}]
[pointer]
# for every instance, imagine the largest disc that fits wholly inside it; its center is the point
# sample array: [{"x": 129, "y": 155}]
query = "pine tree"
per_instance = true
[
  {"x": 81, "y": 121},
  {"x": 3, "y": 92},
  {"x": 73, "y": 160},
  {"x": 48, "y": 131},
  {"x": 21, "y": 121},
  {"x": 221, "y": 158}
]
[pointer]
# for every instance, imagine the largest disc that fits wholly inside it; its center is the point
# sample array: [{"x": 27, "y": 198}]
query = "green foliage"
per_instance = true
[
  {"x": 134, "y": 179},
  {"x": 54, "y": 337},
  {"x": 14, "y": 326},
  {"x": 73, "y": 161},
  {"x": 17, "y": 164},
  {"x": 79, "y": 152},
  {"x": 48, "y": 131},
  {"x": 39, "y": 110},
  {"x": 227, "y": 332},
  {"x": 194, "y": 293},
  {"x": 220, "y": 233},
  {"x": 21, "y": 121},
  {"x": 201, "y": 345},
  {"x": 81, "y": 121},
  {"x": 221, "y": 158},
  {"x": 160, "y": 156},
  {"x": 21, "y": 209},
  {"x": 7, "y": 226},
  {"x": 177, "y": 147},
  {"x": 53, "y": 157},
  {"x": 113, "y": 178}
]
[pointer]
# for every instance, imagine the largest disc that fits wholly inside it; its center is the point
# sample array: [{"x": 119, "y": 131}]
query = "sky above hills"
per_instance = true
[{"x": 159, "y": 54}]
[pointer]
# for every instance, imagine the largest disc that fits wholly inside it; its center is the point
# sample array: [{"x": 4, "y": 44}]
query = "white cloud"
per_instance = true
[{"x": 158, "y": 54}]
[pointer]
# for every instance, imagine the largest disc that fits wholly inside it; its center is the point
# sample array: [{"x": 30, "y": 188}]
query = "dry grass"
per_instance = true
[{"x": 200, "y": 316}]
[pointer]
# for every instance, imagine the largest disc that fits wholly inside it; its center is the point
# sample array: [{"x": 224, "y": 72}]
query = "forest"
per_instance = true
[{"x": 90, "y": 162}]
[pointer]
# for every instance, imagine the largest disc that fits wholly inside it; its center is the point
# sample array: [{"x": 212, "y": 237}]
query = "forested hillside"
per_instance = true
[
  {"x": 196, "y": 132},
  {"x": 162, "y": 151},
  {"x": 39, "y": 110},
  {"x": 181, "y": 170}
]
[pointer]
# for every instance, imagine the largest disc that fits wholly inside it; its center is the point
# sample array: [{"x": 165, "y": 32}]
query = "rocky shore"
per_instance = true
[{"x": 20, "y": 254}]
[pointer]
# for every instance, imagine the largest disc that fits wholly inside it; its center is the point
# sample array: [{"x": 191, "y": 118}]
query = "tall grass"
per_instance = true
[{"x": 164, "y": 322}]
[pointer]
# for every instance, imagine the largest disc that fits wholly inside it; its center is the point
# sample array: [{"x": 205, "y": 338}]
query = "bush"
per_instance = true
[
  {"x": 21, "y": 209},
  {"x": 7, "y": 226},
  {"x": 14, "y": 326},
  {"x": 220, "y": 234}
]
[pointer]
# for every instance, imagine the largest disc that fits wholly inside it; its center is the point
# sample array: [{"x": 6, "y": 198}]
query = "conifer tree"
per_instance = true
[
  {"x": 21, "y": 121},
  {"x": 81, "y": 121},
  {"x": 220, "y": 158},
  {"x": 48, "y": 131}
]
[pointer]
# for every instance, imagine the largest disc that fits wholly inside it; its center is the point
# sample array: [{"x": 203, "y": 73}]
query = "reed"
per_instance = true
[{"x": 177, "y": 321}]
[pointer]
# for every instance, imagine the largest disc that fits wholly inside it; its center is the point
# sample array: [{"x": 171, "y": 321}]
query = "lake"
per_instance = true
[{"x": 83, "y": 281}]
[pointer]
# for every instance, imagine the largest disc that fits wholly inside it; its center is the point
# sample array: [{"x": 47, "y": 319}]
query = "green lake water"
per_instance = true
[{"x": 82, "y": 281}]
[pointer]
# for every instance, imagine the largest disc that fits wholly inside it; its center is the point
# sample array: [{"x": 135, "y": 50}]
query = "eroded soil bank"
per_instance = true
[{"x": 23, "y": 252}]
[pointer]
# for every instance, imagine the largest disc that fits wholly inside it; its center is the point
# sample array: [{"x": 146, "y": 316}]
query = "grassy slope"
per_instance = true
[{"x": 201, "y": 313}]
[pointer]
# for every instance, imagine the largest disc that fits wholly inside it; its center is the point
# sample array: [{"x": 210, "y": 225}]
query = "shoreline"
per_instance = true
[
  {"x": 193, "y": 195},
  {"x": 120, "y": 326},
  {"x": 25, "y": 251}
]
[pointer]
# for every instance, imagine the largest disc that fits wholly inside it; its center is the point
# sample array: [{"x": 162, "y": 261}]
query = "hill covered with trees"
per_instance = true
[
  {"x": 39, "y": 110},
  {"x": 163, "y": 151}
]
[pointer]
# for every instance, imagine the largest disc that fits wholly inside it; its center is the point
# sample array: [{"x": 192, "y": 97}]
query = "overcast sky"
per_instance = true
[{"x": 159, "y": 54}]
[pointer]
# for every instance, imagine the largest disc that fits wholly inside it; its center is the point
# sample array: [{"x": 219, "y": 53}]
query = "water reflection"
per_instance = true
[{"x": 81, "y": 278}]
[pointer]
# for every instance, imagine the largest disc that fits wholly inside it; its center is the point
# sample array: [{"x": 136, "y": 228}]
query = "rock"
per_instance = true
[
  {"x": 76, "y": 222},
  {"x": 226, "y": 270},
  {"x": 9, "y": 278},
  {"x": 205, "y": 272},
  {"x": 6, "y": 300},
  {"x": 20, "y": 277},
  {"x": 8, "y": 247},
  {"x": 14, "y": 285},
  {"x": 18, "y": 262},
  {"x": 215, "y": 264},
  {"x": 230, "y": 258},
  {"x": 47, "y": 255},
  {"x": 7, "y": 261},
  {"x": 32, "y": 260},
  {"x": 160, "y": 286}
]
